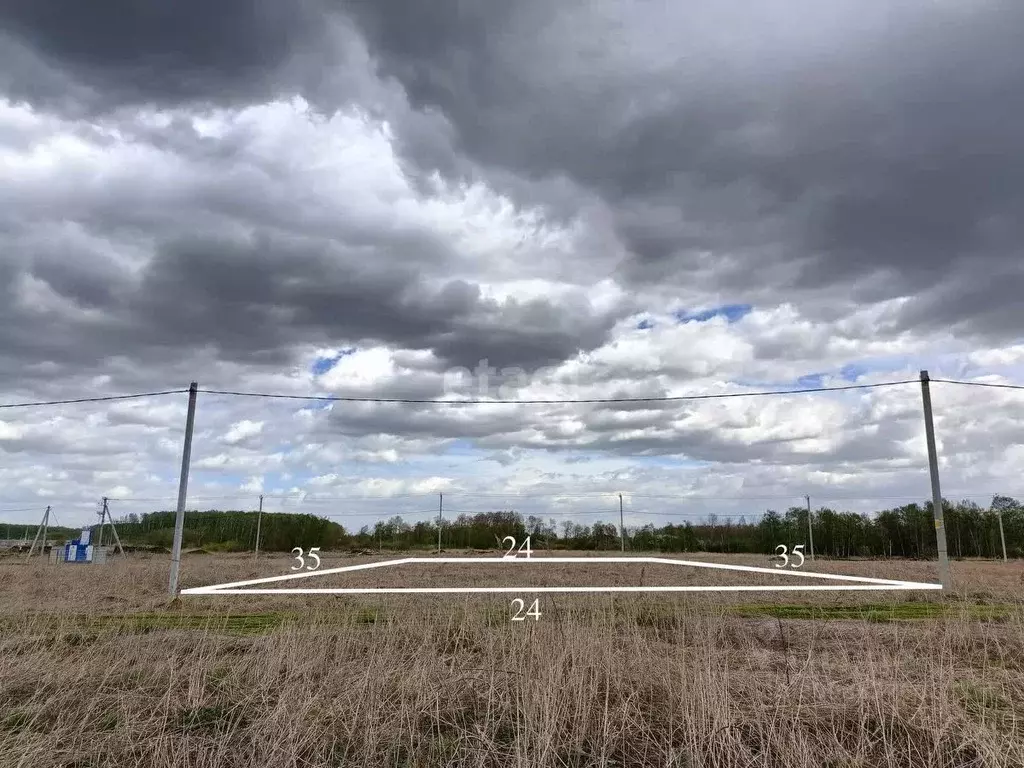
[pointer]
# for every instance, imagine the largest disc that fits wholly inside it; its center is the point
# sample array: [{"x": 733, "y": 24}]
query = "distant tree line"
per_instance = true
[
  {"x": 232, "y": 531},
  {"x": 907, "y": 531}
]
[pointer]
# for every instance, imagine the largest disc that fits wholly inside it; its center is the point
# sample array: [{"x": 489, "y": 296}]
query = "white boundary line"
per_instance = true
[
  {"x": 862, "y": 582},
  {"x": 530, "y": 590}
]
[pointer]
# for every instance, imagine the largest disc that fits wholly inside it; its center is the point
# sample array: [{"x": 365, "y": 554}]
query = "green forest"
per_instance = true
[
  {"x": 232, "y": 531},
  {"x": 906, "y": 531}
]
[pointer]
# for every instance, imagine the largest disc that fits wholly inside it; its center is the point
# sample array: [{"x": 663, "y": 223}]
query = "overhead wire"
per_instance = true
[
  {"x": 553, "y": 401},
  {"x": 103, "y": 399},
  {"x": 500, "y": 401},
  {"x": 990, "y": 384},
  {"x": 555, "y": 495}
]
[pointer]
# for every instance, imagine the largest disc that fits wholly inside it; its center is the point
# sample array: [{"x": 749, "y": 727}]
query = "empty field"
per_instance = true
[{"x": 98, "y": 668}]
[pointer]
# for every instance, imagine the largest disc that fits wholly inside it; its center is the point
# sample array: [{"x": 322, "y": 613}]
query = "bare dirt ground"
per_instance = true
[{"x": 99, "y": 668}]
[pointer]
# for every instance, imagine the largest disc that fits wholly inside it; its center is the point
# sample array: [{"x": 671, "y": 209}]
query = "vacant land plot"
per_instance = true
[
  {"x": 99, "y": 668},
  {"x": 550, "y": 572}
]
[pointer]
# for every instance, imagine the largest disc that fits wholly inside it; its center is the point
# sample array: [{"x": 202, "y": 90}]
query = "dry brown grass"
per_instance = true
[{"x": 98, "y": 669}]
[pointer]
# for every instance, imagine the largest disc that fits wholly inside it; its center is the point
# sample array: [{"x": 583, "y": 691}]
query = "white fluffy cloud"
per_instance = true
[
  {"x": 864, "y": 449},
  {"x": 242, "y": 431}
]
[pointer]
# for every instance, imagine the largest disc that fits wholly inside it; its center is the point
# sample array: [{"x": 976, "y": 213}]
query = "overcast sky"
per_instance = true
[{"x": 590, "y": 199}]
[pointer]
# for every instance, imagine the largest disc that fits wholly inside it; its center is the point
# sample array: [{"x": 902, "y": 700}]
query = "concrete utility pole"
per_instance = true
[
  {"x": 105, "y": 513},
  {"x": 622, "y": 526},
  {"x": 810, "y": 526},
  {"x": 103, "y": 518},
  {"x": 259, "y": 521},
  {"x": 179, "y": 519},
  {"x": 933, "y": 468},
  {"x": 1002, "y": 536},
  {"x": 43, "y": 524},
  {"x": 46, "y": 524},
  {"x": 440, "y": 519}
]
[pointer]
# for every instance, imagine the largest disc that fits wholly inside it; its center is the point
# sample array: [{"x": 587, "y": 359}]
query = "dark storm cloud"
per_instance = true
[
  {"x": 799, "y": 144},
  {"x": 91, "y": 283},
  {"x": 849, "y": 139},
  {"x": 103, "y": 245},
  {"x": 528, "y": 335},
  {"x": 421, "y": 421},
  {"x": 253, "y": 299},
  {"x": 264, "y": 295},
  {"x": 159, "y": 51}
]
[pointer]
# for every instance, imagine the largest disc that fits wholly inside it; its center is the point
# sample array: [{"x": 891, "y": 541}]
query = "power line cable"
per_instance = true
[
  {"x": 103, "y": 399},
  {"x": 149, "y": 499},
  {"x": 659, "y": 399},
  {"x": 608, "y": 512},
  {"x": 554, "y": 496},
  {"x": 980, "y": 384},
  {"x": 449, "y": 521},
  {"x": 701, "y": 517},
  {"x": 494, "y": 401}
]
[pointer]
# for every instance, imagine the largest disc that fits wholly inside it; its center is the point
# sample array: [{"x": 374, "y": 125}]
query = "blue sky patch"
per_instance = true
[
  {"x": 731, "y": 312},
  {"x": 849, "y": 373},
  {"x": 460, "y": 447},
  {"x": 811, "y": 380},
  {"x": 645, "y": 324},
  {"x": 853, "y": 371},
  {"x": 324, "y": 364}
]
